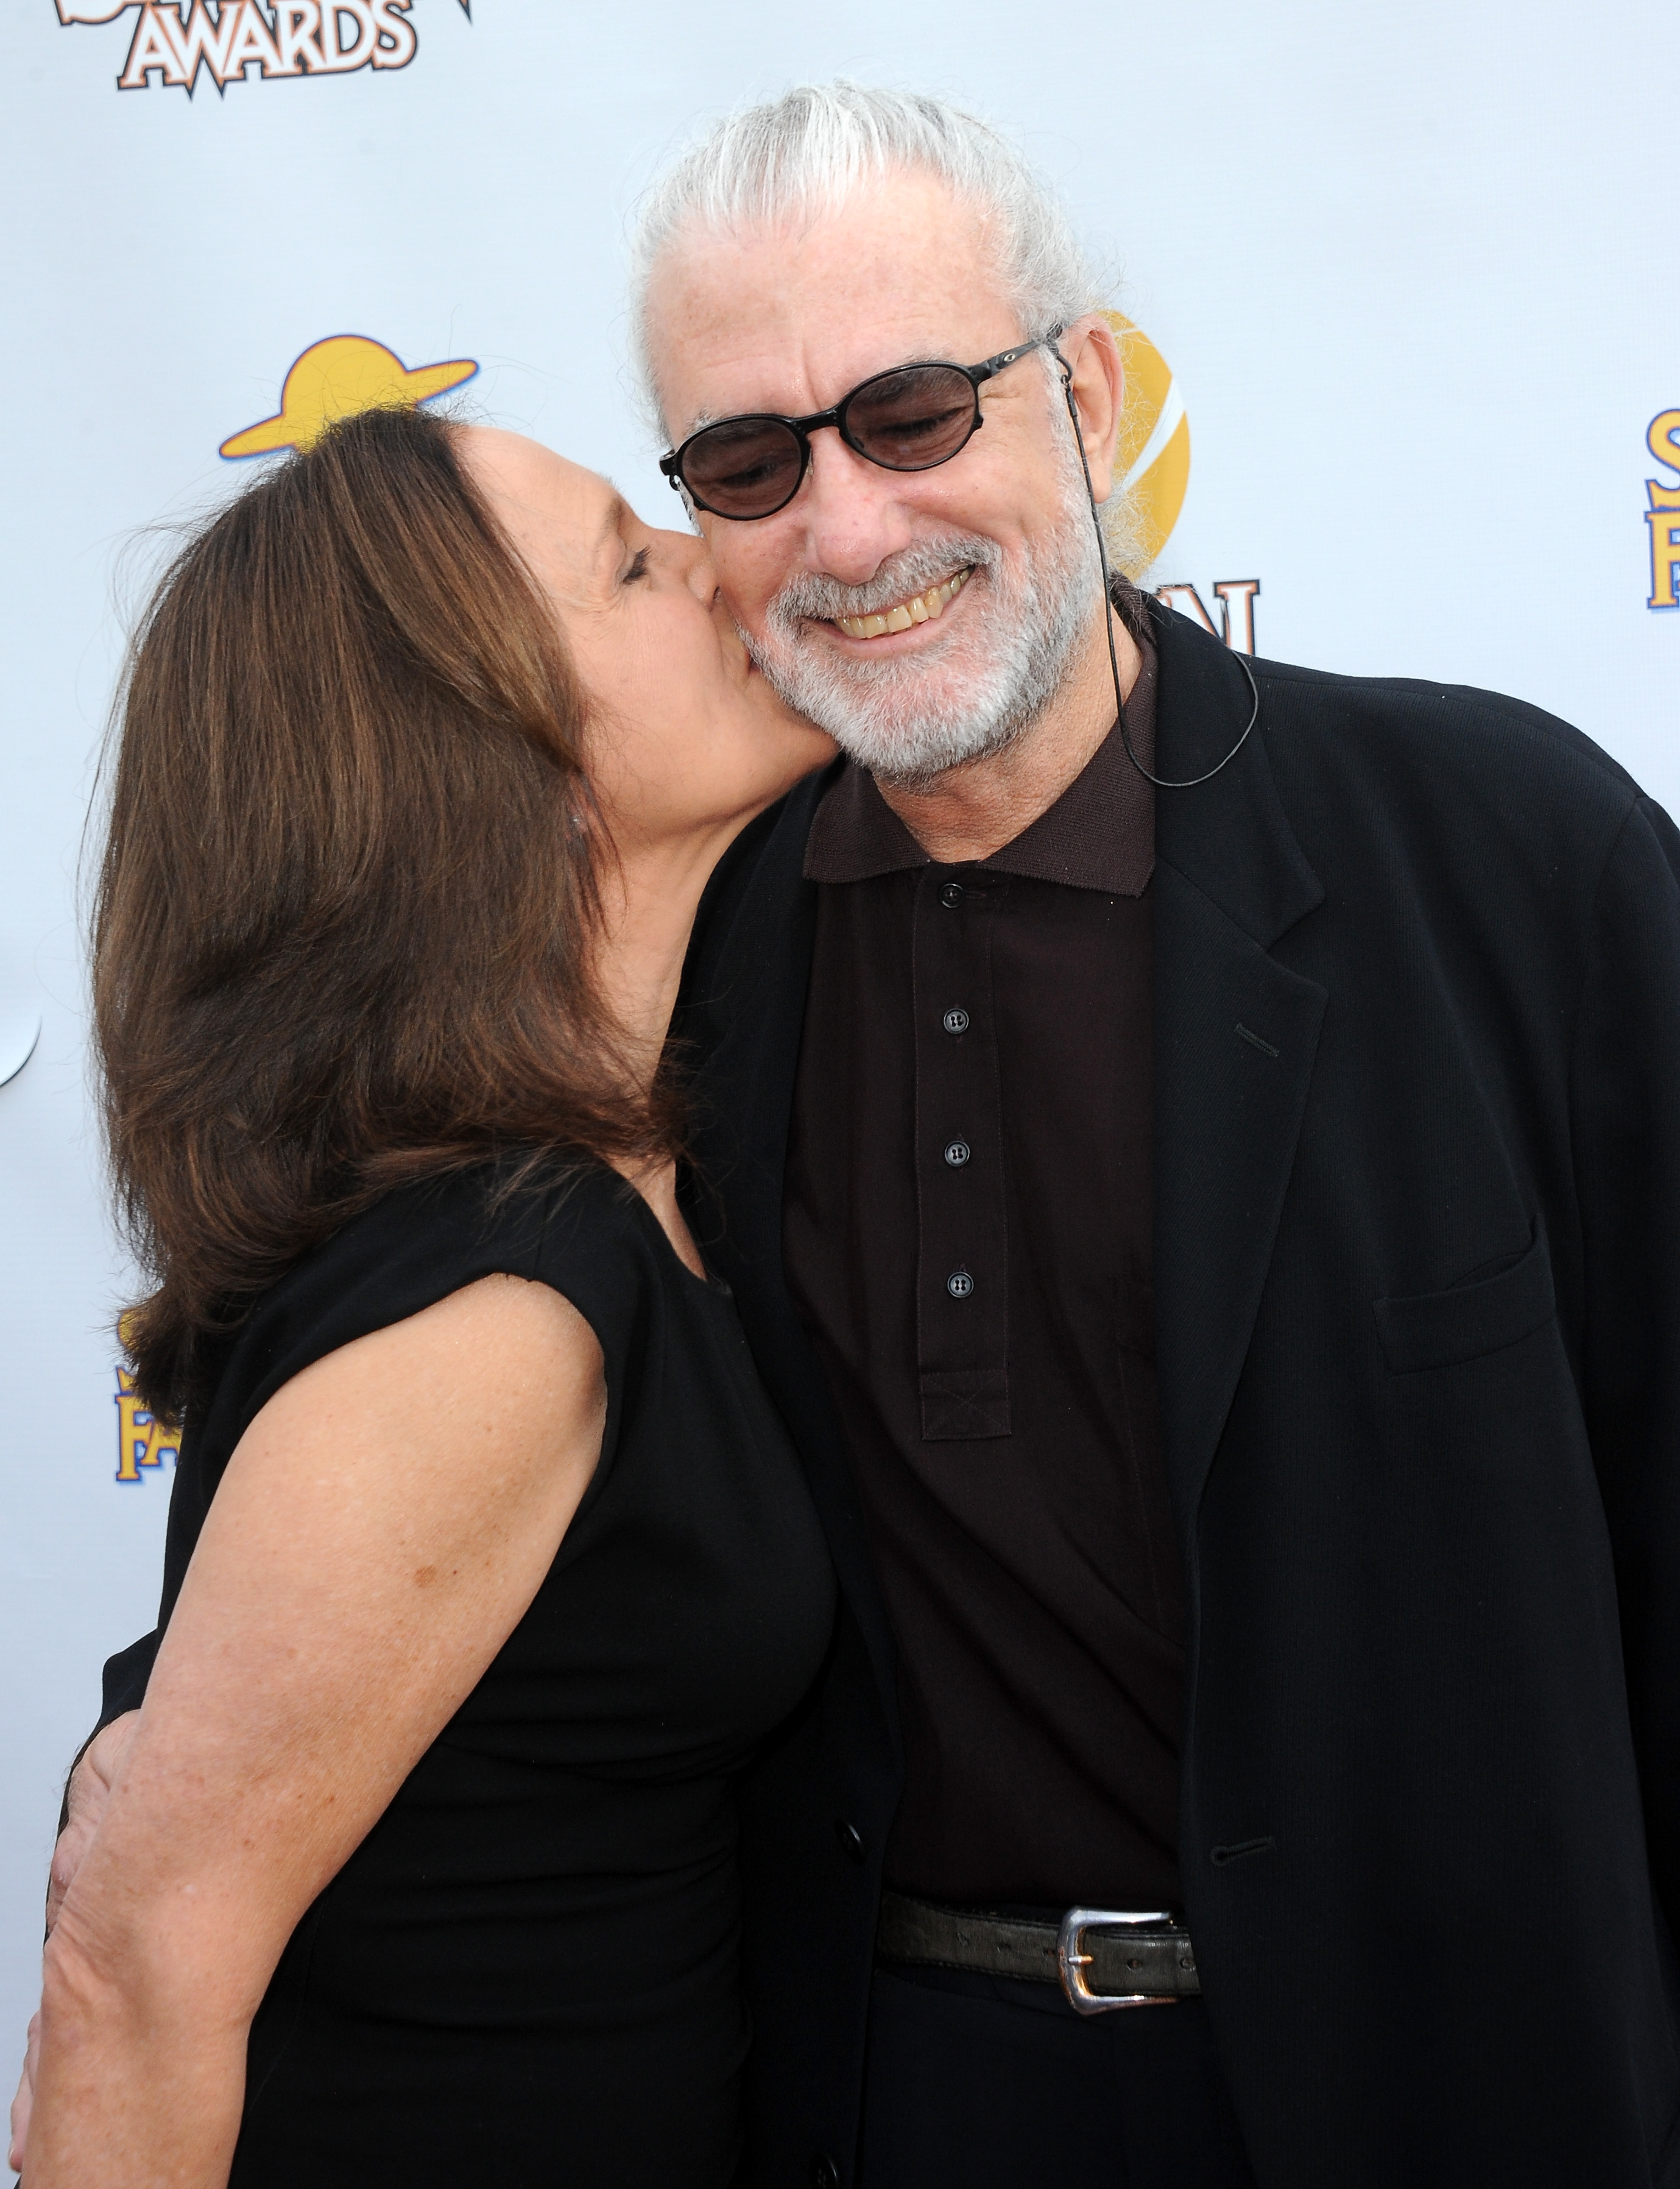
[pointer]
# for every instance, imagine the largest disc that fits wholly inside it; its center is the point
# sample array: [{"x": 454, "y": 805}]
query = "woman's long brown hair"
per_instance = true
[{"x": 343, "y": 931}]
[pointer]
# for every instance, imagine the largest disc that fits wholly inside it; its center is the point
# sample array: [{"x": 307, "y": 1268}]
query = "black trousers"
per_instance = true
[{"x": 978, "y": 2082}]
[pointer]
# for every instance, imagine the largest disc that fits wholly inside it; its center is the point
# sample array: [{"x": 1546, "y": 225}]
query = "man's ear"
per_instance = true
[{"x": 1099, "y": 393}]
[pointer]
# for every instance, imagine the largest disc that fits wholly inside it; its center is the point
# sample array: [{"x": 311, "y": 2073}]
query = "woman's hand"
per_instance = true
[
  {"x": 379, "y": 1532},
  {"x": 85, "y": 1798}
]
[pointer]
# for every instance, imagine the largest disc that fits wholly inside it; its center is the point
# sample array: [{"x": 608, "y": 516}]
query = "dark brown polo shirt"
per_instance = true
[{"x": 967, "y": 1234}]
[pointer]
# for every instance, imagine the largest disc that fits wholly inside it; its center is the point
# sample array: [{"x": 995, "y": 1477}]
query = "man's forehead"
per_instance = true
[{"x": 788, "y": 317}]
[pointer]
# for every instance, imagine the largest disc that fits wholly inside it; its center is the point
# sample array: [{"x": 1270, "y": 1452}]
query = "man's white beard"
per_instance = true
[{"x": 965, "y": 696}]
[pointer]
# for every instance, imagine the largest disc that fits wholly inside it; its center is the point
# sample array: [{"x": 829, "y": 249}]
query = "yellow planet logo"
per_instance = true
[
  {"x": 1153, "y": 463},
  {"x": 338, "y": 378}
]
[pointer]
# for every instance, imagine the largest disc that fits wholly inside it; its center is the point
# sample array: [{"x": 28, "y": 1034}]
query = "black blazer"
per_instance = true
[{"x": 1417, "y": 1266}]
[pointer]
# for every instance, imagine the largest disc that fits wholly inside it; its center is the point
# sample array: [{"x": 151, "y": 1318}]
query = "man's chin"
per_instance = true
[
  {"x": 913, "y": 754},
  {"x": 906, "y": 722},
  {"x": 899, "y": 694}
]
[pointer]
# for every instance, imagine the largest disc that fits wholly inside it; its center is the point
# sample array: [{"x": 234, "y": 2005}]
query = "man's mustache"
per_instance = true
[{"x": 811, "y": 596}]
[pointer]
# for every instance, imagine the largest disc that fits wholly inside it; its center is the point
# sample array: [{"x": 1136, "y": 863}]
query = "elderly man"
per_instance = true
[
  {"x": 1203, "y": 1188},
  {"x": 1218, "y": 1249}
]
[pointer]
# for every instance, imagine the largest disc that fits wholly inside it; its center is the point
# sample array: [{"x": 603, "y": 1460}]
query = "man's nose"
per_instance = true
[{"x": 852, "y": 511}]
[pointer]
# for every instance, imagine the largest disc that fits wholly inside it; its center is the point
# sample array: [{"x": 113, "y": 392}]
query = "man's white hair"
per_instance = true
[{"x": 803, "y": 155}]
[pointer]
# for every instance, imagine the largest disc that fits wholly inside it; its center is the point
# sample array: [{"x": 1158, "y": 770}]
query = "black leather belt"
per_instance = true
[{"x": 1103, "y": 1957}]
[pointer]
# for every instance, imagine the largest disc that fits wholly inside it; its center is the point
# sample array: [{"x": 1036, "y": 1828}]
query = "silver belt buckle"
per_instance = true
[{"x": 1072, "y": 1961}]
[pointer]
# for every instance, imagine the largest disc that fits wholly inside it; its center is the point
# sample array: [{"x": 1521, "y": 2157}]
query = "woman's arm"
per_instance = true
[
  {"x": 378, "y": 1534},
  {"x": 85, "y": 1798}
]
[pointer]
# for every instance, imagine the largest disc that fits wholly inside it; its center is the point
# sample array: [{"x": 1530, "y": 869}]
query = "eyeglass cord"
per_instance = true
[{"x": 1161, "y": 782}]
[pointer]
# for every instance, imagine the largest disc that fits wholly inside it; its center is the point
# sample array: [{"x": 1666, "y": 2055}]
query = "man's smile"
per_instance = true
[{"x": 925, "y": 607}]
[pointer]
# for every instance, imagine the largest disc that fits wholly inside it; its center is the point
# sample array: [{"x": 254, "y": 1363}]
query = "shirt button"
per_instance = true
[
  {"x": 957, "y": 1153},
  {"x": 951, "y": 895},
  {"x": 851, "y": 1839},
  {"x": 959, "y": 1284},
  {"x": 824, "y": 2174},
  {"x": 955, "y": 1021}
]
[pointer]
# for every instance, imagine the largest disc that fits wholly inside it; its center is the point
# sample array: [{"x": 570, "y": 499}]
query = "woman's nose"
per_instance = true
[
  {"x": 702, "y": 575},
  {"x": 692, "y": 557}
]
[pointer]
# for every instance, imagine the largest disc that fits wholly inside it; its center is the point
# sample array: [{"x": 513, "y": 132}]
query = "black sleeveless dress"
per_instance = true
[{"x": 527, "y": 1974}]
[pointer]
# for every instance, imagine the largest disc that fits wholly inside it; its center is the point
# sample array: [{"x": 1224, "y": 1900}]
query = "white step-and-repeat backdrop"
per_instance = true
[{"x": 1408, "y": 373}]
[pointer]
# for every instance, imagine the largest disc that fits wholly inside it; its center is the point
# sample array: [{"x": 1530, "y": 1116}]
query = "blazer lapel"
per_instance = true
[
  {"x": 1236, "y": 1037},
  {"x": 741, "y": 1015}
]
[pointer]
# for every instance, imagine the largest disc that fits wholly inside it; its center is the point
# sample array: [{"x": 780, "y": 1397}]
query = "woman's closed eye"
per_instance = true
[{"x": 637, "y": 567}]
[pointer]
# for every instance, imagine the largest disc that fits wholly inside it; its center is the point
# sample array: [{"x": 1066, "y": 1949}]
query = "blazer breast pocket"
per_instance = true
[{"x": 1437, "y": 1330}]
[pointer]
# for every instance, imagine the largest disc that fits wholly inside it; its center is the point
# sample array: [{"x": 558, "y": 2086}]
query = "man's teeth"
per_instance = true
[{"x": 923, "y": 610}]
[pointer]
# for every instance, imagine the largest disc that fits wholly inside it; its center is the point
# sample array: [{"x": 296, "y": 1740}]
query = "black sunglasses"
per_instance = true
[{"x": 908, "y": 420}]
